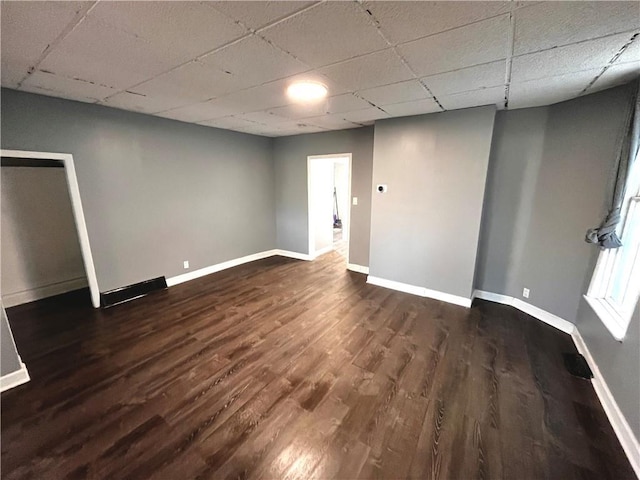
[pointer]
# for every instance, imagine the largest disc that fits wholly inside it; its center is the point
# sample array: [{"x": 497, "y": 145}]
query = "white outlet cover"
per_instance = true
[
  {"x": 186, "y": 264},
  {"x": 355, "y": 200},
  {"x": 525, "y": 292}
]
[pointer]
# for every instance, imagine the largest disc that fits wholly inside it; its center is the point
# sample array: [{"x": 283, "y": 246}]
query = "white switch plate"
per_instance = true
[
  {"x": 525, "y": 292},
  {"x": 186, "y": 264},
  {"x": 355, "y": 200}
]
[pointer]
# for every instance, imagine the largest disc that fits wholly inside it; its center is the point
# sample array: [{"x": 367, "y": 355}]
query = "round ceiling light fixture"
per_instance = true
[{"x": 307, "y": 91}]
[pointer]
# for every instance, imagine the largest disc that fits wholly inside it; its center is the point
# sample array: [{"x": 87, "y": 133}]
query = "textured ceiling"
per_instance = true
[{"x": 227, "y": 64}]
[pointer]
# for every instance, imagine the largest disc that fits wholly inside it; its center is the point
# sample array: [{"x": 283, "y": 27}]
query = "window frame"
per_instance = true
[{"x": 615, "y": 316}]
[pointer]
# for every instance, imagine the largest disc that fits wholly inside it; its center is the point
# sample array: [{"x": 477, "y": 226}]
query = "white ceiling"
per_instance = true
[{"x": 227, "y": 64}]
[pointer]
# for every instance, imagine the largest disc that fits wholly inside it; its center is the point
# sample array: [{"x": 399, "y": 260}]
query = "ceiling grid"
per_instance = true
[{"x": 227, "y": 64}]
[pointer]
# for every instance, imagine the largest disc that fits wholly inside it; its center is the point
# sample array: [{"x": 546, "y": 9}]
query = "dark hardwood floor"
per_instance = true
[{"x": 288, "y": 369}]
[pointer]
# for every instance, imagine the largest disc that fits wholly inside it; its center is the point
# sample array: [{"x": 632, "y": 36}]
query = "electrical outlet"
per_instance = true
[
  {"x": 355, "y": 200},
  {"x": 525, "y": 292},
  {"x": 186, "y": 263}
]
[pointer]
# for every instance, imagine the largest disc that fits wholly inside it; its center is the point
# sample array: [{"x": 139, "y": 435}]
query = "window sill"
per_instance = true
[{"x": 608, "y": 316}]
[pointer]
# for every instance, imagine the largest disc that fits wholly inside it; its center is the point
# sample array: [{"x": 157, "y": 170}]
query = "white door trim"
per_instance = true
[
  {"x": 78, "y": 212},
  {"x": 343, "y": 158}
]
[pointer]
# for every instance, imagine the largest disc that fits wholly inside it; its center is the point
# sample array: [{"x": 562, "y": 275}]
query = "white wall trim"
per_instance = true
[
  {"x": 78, "y": 212},
  {"x": 347, "y": 159},
  {"x": 420, "y": 291},
  {"x": 14, "y": 379},
  {"x": 628, "y": 440},
  {"x": 37, "y": 293},
  {"x": 358, "y": 268},
  {"x": 542, "y": 315},
  {"x": 493, "y": 297},
  {"x": 218, "y": 267},
  {"x": 185, "y": 277},
  {"x": 290, "y": 254}
]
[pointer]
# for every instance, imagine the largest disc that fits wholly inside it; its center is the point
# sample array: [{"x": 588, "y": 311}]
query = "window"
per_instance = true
[{"x": 615, "y": 287}]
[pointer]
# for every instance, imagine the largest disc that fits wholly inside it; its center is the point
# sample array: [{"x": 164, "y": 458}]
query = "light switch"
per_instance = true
[{"x": 355, "y": 200}]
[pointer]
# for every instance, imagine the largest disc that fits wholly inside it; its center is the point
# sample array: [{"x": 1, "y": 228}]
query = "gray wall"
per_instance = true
[
  {"x": 9, "y": 360},
  {"x": 40, "y": 246},
  {"x": 425, "y": 229},
  {"x": 290, "y": 155},
  {"x": 618, "y": 362},
  {"x": 155, "y": 192},
  {"x": 549, "y": 174}
]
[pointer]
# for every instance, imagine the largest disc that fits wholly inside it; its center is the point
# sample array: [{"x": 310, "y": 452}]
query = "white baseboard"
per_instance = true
[
  {"x": 358, "y": 268},
  {"x": 185, "y": 277},
  {"x": 290, "y": 254},
  {"x": 14, "y": 379},
  {"x": 628, "y": 440},
  {"x": 38, "y": 293},
  {"x": 218, "y": 267},
  {"x": 420, "y": 291},
  {"x": 548, "y": 318},
  {"x": 493, "y": 297},
  {"x": 542, "y": 315}
]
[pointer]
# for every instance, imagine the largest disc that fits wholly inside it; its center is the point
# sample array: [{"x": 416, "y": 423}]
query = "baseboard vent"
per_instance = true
[
  {"x": 124, "y": 294},
  {"x": 577, "y": 365}
]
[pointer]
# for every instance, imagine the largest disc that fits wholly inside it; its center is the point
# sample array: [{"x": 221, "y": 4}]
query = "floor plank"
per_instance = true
[{"x": 289, "y": 369}]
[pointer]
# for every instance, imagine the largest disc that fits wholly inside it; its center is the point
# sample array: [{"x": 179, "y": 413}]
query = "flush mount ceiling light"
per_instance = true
[{"x": 306, "y": 91}]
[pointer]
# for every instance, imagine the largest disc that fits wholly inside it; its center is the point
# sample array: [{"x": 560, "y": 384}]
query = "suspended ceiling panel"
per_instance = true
[{"x": 227, "y": 64}]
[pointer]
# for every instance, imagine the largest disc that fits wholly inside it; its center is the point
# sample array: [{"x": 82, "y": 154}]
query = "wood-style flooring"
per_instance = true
[{"x": 283, "y": 369}]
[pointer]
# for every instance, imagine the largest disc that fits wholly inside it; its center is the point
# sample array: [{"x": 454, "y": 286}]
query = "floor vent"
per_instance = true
[
  {"x": 124, "y": 294},
  {"x": 577, "y": 365}
]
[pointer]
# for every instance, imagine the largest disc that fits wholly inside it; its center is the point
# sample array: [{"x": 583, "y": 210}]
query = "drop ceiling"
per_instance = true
[{"x": 227, "y": 64}]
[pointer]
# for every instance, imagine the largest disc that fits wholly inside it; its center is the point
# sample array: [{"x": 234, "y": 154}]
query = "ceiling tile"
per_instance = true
[
  {"x": 375, "y": 69},
  {"x": 631, "y": 53},
  {"x": 195, "y": 80},
  {"x": 476, "y": 98},
  {"x": 549, "y": 90},
  {"x": 255, "y": 61},
  {"x": 328, "y": 33},
  {"x": 179, "y": 30},
  {"x": 346, "y": 103},
  {"x": 617, "y": 74},
  {"x": 412, "y": 108},
  {"x": 472, "y": 78},
  {"x": 198, "y": 112},
  {"x": 395, "y": 93},
  {"x": 43, "y": 20},
  {"x": 551, "y": 24},
  {"x": 570, "y": 58},
  {"x": 97, "y": 52},
  {"x": 66, "y": 87},
  {"x": 462, "y": 47},
  {"x": 404, "y": 21},
  {"x": 265, "y": 118},
  {"x": 336, "y": 104},
  {"x": 334, "y": 121},
  {"x": 144, "y": 103},
  {"x": 366, "y": 115},
  {"x": 262, "y": 97},
  {"x": 257, "y": 14},
  {"x": 229, "y": 123}
]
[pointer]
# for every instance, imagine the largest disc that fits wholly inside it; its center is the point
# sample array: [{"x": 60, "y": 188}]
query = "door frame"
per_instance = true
[
  {"x": 346, "y": 215},
  {"x": 78, "y": 212}
]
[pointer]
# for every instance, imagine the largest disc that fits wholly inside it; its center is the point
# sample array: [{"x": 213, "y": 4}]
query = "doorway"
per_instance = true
[
  {"x": 65, "y": 263},
  {"x": 329, "y": 190}
]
